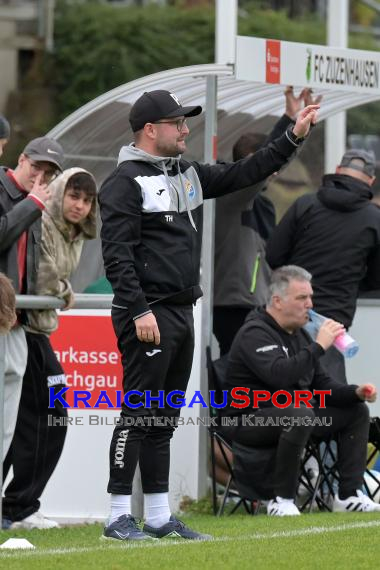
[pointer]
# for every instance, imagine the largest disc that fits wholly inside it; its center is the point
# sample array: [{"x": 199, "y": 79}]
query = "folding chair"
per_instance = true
[
  {"x": 219, "y": 441},
  {"x": 374, "y": 439},
  {"x": 320, "y": 488}
]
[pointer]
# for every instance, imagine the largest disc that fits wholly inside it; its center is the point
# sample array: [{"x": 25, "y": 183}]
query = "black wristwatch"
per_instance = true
[{"x": 292, "y": 137}]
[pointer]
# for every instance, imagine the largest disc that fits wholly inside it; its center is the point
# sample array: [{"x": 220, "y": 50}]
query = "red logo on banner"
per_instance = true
[
  {"x": 87, "y": 350},
  {"x": 273, "y": 61}
]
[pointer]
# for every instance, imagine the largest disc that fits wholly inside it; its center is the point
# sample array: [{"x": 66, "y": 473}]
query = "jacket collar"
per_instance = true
[{"x": 12, "y": 190}]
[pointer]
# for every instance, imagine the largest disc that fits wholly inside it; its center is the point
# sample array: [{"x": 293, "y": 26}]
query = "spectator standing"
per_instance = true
[
  {"x": 69, "y": 219},
  {"x": 23, "y": 196},
  {"x": 244, "y": 220}
]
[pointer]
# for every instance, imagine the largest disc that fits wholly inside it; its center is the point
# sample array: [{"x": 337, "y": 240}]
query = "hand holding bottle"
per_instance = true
[
  {"x": 328, "y": 332},
  {"x": 342, "y": 341}
]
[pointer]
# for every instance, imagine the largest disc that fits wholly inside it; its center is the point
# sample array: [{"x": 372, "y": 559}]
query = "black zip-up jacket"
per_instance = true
[
  {"x": 152, "y": 216},
  {"x": 264, "y": 356},
  {"x": 17, "y": 215},
  {"x": 334, "y": 234}
]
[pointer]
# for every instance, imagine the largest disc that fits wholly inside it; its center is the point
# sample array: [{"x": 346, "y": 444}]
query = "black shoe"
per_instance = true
[
  {"x": 175, "y": 529},
  {"x": 125, "y": 528}
]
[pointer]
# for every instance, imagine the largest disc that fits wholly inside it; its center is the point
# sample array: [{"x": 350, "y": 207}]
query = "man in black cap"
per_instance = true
[
  {"x": 23, "y": 195},
  {"x": 335, "y": 235},
  {"x": 151, "y": 209},
  {"x": 5, "y": 132}
]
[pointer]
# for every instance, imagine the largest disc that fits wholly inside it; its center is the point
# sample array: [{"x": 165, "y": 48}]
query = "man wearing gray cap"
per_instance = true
[
  {"x": 23, "y": 195},
  {"x": 151, "y": 208},
  {"x": 335, "y": 235}
]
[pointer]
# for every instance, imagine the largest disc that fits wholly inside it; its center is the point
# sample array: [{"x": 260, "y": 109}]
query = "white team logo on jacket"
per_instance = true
[{"x": 266, "y": 348}]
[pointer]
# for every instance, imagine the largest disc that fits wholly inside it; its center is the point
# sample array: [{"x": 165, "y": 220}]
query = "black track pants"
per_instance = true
[
  {"x": 146, "y": 367},
  {"x": 349, "y": 427}
]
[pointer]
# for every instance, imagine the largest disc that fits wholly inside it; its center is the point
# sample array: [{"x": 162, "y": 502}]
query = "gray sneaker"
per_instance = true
[
  {"x": 175, "y": 529},
  {"x": 124, "y": 528}
]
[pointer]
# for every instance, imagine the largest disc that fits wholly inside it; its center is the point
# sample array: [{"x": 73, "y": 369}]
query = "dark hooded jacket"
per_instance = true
[
  {"x": 334, "y": 234},
  {"x": 264, "y": 356}
]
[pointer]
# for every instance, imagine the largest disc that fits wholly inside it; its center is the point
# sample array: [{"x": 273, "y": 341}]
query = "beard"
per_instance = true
[{"x": 170, "y": 149}]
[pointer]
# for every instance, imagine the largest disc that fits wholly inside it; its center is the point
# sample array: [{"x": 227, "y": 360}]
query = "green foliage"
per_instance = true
[
  {"x": 364, "y": 119},
  {"x": 98, "y": 47},
  {"x": 277, "y": 25},
  {"x": 196, "y": 507}
]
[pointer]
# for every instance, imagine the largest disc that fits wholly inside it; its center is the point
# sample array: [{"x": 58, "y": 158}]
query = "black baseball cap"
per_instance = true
[
  {"x": 5, "y": 129},
  {"x": 44, "y": 149},
  {"x": 361, "y": 160},
  {"x": 155, "y": 105}
]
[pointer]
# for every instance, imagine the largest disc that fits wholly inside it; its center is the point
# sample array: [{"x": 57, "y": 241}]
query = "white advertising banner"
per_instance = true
[
  {"x": 292, "y": 63},
  {"x": 86, "y": 346}
]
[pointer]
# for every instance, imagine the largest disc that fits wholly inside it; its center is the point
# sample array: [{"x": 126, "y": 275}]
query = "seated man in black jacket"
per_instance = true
[{"x": 271, "y": 353}]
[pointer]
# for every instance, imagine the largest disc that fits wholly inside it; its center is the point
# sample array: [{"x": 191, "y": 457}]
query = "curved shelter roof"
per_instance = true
[{"x": 92, "y": 135}]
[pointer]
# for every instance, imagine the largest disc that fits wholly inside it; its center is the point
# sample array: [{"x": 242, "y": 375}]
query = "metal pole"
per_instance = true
[
  {"x": 225, "y": 31},
  {"x": 335, "y": 126},
  {"x": 49, "y": 25},
  {"x": 225, "y": 49},
  {"x": 82, "y": 301},
  {"x": 207, "y": 267}
]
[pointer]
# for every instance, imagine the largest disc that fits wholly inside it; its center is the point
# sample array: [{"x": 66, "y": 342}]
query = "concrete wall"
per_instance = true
[
  {"x": 11, "y": 42},
  {"x": 8, "y": 61}
]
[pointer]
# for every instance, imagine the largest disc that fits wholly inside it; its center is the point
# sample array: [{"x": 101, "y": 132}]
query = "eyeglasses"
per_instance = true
[
  {"x": 49, "y": 173},
  {"x": 180, "y": 123}
]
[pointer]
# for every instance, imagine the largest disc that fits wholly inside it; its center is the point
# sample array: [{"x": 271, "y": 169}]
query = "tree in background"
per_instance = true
[{"x": 98, "y": 46}]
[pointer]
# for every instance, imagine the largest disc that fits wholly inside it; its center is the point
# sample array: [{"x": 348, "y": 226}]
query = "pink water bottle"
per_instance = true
[{"x": 344, "y": 342}]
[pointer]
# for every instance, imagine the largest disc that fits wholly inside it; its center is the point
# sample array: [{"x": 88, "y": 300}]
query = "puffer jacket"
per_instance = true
[{"x": 60, "y": 254}]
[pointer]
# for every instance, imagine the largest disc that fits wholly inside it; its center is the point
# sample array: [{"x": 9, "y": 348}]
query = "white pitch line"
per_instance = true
[{"x": 169, "y": 542}]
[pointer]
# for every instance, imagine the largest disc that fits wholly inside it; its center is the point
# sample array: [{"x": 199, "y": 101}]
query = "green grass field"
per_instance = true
[{"x": 311, "y": 541}]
